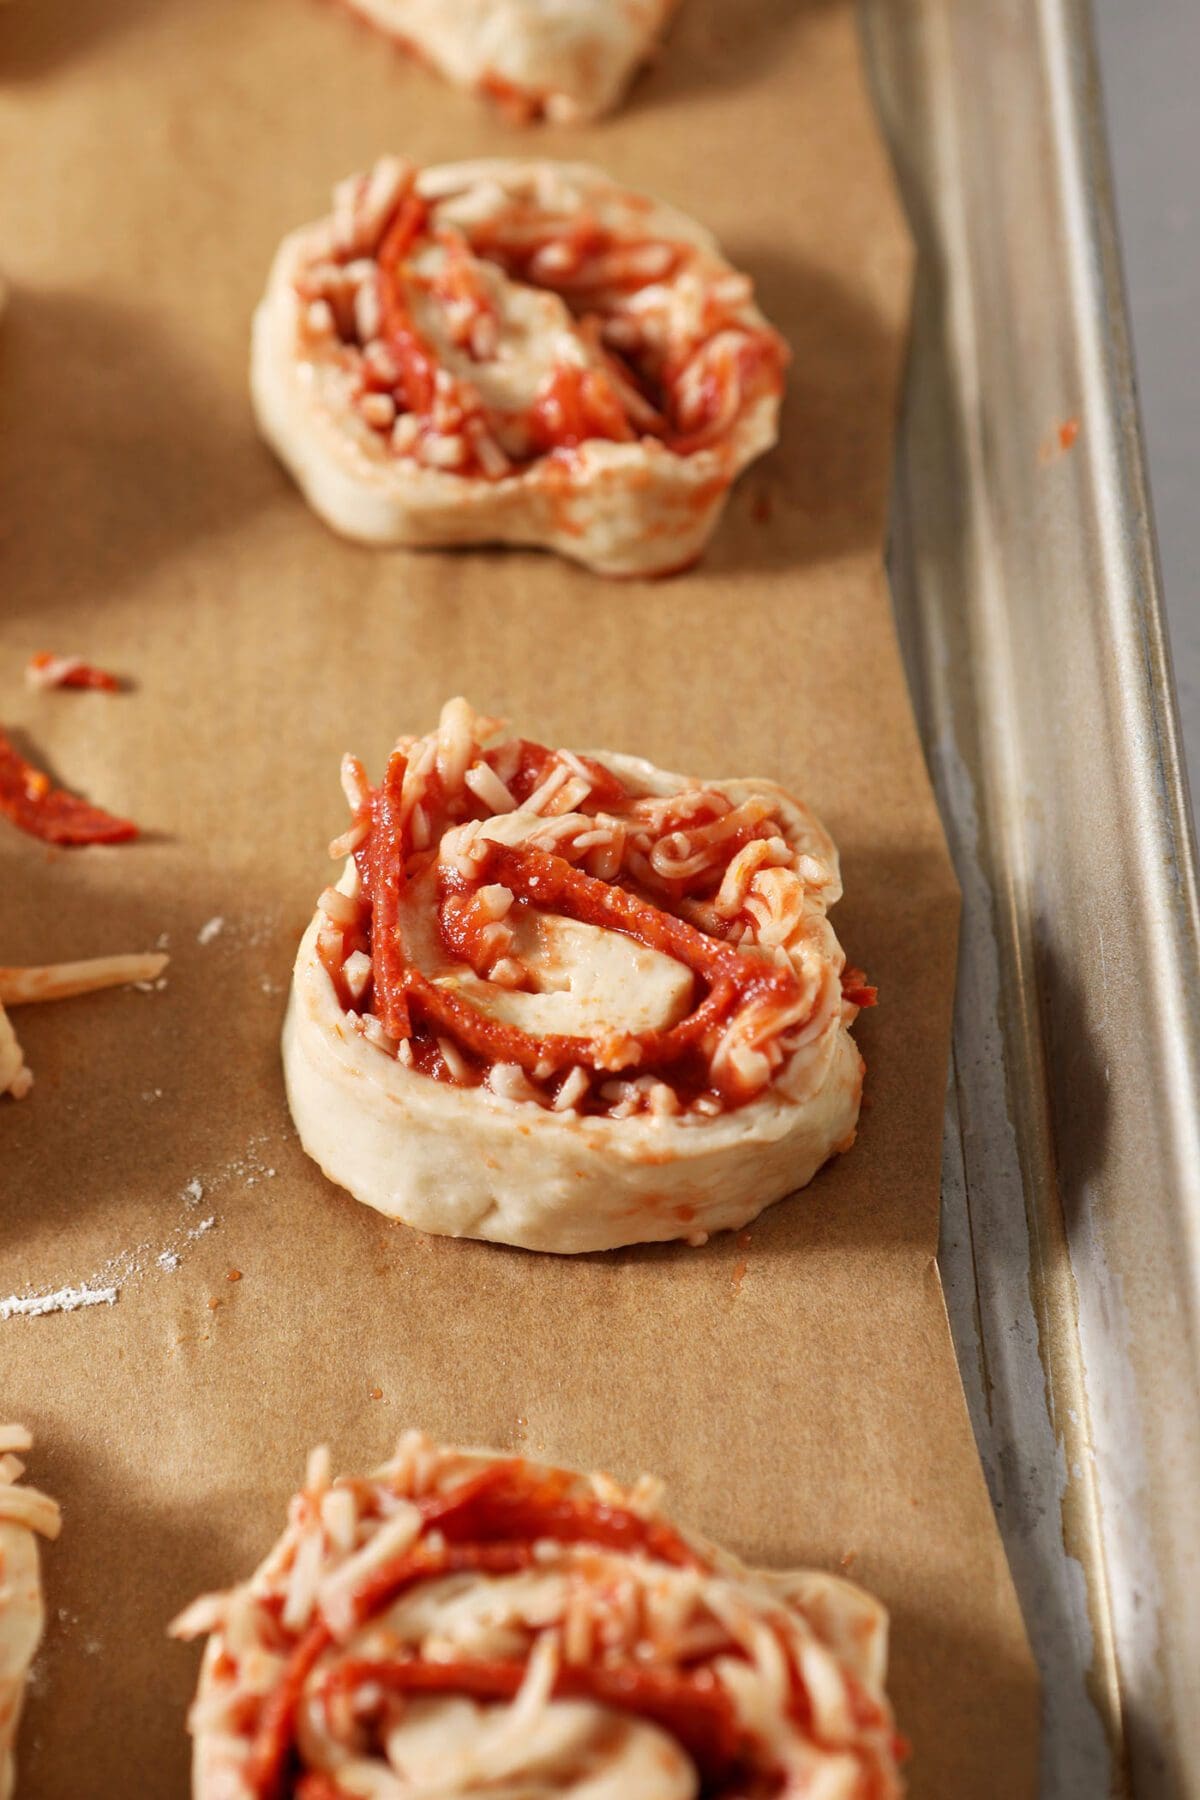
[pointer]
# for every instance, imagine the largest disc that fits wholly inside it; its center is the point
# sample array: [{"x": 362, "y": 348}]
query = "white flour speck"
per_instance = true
[
  {"x": 167, "y": 1259},
  {"x": 67, "y": 1299},
  {"x": 193, "y": 1193},
  {"x": 211, "y": 929}
]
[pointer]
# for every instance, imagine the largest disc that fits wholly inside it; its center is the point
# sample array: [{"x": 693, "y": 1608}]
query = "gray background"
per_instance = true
[{"x": 1150, "y": 61}]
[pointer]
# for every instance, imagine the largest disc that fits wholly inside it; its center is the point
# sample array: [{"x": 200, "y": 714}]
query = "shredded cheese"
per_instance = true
[{"x": 491, "y": 1626}]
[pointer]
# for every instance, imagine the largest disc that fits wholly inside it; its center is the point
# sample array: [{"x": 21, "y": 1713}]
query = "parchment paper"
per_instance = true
[{"x": 798, "y": 1390}]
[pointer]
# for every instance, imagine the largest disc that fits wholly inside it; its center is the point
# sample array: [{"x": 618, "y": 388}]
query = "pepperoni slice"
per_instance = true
[
  {"x": 31, "y": 801},
  {"x": 45, "y": 670}
]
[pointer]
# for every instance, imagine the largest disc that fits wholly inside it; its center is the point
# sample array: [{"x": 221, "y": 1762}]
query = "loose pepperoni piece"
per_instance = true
[
  {"x": 31, "y": 801},
  {"x": 45, "y": 670}
]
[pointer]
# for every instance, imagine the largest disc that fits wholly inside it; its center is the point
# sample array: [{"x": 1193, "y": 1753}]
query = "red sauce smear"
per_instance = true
[
  {"x": 30, "y": 800},
  {"x": 75, "y": 674}
]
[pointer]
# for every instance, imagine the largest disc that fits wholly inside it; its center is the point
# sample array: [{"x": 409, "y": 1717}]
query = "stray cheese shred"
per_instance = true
[{"x": 61, "y": 981}]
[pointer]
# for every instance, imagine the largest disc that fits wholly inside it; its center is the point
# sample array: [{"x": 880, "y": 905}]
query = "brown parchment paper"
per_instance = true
[{"x": 798, "y": 1390}]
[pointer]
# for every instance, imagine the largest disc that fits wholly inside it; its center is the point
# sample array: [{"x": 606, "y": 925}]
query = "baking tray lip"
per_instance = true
[
  {"x": 1142, "y": 573},
  {"x": 1154, "y": 775},
  {"x": 1070, "y": 1250}
]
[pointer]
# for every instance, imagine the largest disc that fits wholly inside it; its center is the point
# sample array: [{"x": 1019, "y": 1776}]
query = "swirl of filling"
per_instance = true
[
  {"x": 463, "y": 1624},
  {"x": 491, "y": 884},
  {"x": 516, "y": 352},
  {"x": 597, "y": 946}
]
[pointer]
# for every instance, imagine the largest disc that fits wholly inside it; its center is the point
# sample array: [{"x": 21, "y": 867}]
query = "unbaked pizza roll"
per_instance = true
[
  {"x": 566, "y": 59},
  {"x": 517, "y": 353},
  {"x": 571, "y": 1002},
  {"x": 24, "y": 1516},
  {"x": 461, "y": 1623}
]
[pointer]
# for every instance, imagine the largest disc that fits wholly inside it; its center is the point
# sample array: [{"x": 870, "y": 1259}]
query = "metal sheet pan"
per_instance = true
[{"x": 1028, "y": 599}]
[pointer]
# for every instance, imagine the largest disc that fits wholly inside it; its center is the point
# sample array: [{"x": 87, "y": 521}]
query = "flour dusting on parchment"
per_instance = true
[
  {"x": 67, "y": 1299},
  {"x": 102, "y": 1287}
]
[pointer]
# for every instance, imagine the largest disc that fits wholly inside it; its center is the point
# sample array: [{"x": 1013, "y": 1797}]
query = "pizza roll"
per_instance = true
[
  {"x": 564, "y": 59},
  {"x": 461, "y": 1623},
  {"x": 570, "y": 1002},
  {"x": 518, "y": 353},
  {"x": 24, "y": 1515}
]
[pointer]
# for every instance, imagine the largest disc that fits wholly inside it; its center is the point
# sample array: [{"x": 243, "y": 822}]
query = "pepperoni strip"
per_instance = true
[
  {"x": 416, "y": 360},
  {"x": 403, "y": 993},
  {"x": 506, "y": 1501},
  {"x": 45, "y": 670},
  {"x": 267, "y": 1764},
  {"x": 30, "y": 800},
  {"x": 503, "y": 1502},
  {"x": 497, "y": 1041},
  {"x": 385, "y": 872},
  {"x": 534, "y": 762}
]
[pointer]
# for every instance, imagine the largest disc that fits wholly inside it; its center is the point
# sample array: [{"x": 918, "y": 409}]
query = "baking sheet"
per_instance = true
[{"x": 797, "y": 1390}]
